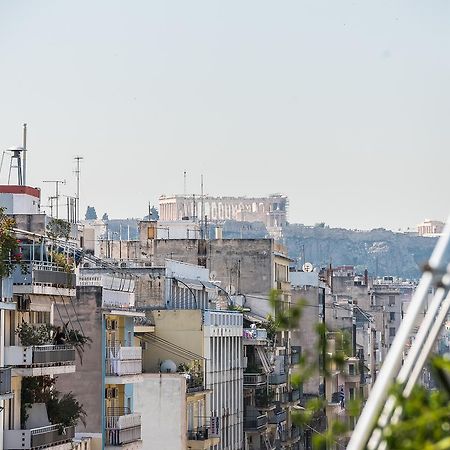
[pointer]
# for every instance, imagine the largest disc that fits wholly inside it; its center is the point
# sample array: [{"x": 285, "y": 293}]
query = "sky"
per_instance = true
[{"x": 344, "y": 106}]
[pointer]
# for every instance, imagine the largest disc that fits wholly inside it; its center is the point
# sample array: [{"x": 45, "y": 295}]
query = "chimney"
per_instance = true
[{"x": 366, "y": 277}]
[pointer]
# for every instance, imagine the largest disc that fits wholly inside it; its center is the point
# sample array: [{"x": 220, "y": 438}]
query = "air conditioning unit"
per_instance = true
[
  {"x": 112, "y": 392},
  {"x": 111, "y": 324}
]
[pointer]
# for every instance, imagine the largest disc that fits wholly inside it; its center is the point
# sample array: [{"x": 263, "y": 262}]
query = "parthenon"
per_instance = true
[{"x": 271, "y": 210}]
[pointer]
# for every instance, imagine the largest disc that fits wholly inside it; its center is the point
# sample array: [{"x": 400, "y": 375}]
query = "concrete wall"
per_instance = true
[
  {"x": 86, "y": 382},
  {"x": 161, "y": 400},
  {"x": 306, "y": 335}
]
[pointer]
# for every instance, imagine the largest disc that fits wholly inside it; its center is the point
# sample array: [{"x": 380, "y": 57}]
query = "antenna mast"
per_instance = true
[
  {"x": 24, "y": 145},
  {"x": 77, "y": 173},
  {"x": 57, "y": 183}
]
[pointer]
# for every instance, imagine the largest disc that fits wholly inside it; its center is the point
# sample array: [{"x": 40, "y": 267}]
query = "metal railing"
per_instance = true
[
  {"x": 199, "y": 434},
  {"x": 256, "y": 334},
  {"x": 123, "y": 360},
  {"x": 254, "y": 379},
  {"x": 255, "y": 422},
  {"x": 5, "y": 380},
  {"x": 194, "y": 384},
  {"x": 122, "y": 426},
  {"x": 44, "y": 273},
  {"x": 278, "y": 417},
  {"x": 53, "y": 354},
  {"x": 39, "y": 355},
  {"x": 51, "y": 434}
]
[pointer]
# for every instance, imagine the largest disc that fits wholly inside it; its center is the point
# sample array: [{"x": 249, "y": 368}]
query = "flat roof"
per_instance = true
[{"x": 13, "y": 189}]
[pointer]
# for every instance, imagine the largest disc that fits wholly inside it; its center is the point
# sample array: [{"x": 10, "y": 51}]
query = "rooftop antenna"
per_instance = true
[
  {"x": 24, "y": 146},
  {"x": 77, "y": 174},
  {"x": 202, "y": 224},
  {"x": 184, "y": 191},
  {"x": 57, "y": 183}
]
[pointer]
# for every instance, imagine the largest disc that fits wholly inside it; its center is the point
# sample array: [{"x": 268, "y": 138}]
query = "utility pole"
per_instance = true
[
  {"x": 77, "y": 173},
  {"x": 57, "y": 183}
]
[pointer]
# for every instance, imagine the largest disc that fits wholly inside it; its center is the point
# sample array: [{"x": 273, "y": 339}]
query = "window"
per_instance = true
[
  {"x": 391, "y": 332},
  {"x": 351, "y": 369},
  {"x": 391, "y": 300},
  {"x": 392, "y": 316},
  {"x": 351, "y": 393}
]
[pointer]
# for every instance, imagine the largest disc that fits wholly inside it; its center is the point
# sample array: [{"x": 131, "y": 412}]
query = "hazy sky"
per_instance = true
[{"x": 342, "y": 105}]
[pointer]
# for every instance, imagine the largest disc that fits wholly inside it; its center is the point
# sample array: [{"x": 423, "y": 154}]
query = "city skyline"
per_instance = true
[{"x": 342, "y": 107}]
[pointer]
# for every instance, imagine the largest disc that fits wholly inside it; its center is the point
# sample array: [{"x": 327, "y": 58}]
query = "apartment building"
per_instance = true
[
  {"x": 32, "y": 352},
  {"x": 203, "y": 349},
  {"x": 108, "y": 372}
]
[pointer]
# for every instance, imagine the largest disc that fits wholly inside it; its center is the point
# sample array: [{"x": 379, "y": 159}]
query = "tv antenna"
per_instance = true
[
  {"x": 56, "y": 196},
  {"x": 77, "y": 174}
]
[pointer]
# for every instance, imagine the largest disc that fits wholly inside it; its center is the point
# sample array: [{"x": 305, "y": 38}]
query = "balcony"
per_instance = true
[
  {"x": 116, "y": 299},
  {"x": 43, "y": 278},
  {"x": 122, "y": 427},
  {"x": 277, "y": 417},
  {"x": 40, "y": 360},
  {"x": 254, "y": 336},
  {"x": 254, "y": 379},
  {"x": 201, "y": 438},
  {"x": 195, "y": 383},
  {"x": 123, "y": 365},
  {"x": 5, "y": 383},
  {"x": 277, "y": 378},
  {"x": 255, "y": 423},
  {"x": 37, "y": 438}
]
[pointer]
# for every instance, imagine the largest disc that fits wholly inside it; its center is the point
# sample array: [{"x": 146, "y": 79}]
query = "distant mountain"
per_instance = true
[{"x": 381, "y": 251}]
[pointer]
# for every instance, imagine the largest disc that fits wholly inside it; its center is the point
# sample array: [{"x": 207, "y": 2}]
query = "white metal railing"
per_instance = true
[
  {"x": 123, "y": 361},
  {"x": 122, "y": 426},
  {"x": 258, "y": 334},
  {"x": 117, "y": 299}
]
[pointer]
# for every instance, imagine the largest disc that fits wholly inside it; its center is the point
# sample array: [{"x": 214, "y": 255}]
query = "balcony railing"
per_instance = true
[
  {"x": 277, "y": 417},
  {"x": 277, "y": 378},
  {"x": 123, "y": 361},
  {"x": 39, "y": 355},
  {"x": 5, "y": 380},
  {"x": 255, "y": 379},
  {"x": 44, "y": 273},
  {"x": 35, "y": 438},
  {"x": 199, "y": 434},
  {"x": 117, "y": 299},
  {"x": 194, "y": 384},
  {"x": 255, "y": 422},
  {"x": 255, "y": 334},
  {"x": 122, "y": 427}
]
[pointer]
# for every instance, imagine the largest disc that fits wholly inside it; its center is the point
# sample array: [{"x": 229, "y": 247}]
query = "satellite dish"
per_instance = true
[
  {"x": 168, "y": 366},
  {"x": 307, "y": 267}
]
